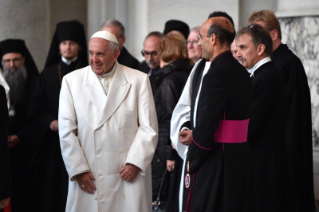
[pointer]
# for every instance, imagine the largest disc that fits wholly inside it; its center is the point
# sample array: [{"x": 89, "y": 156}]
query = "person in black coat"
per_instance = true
[
  {"x": 6, "y": 187},
  {"x": 117, "y": 28},
  {"x": 298, "y": 130},
  {"x": 47, "y": 174},
  {"x": 219, "y": 156},
  {"x": 20, "y": 73},
  {"x": 272, "y": 173},
  {"x": 170, "y": 81},
  {"x": 151, "y": 64}
]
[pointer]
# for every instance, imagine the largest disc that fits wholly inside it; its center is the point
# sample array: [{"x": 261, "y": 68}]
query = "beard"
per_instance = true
[
  {"x": 16, "y": 81},
  {"x": 152, "y": 63}
]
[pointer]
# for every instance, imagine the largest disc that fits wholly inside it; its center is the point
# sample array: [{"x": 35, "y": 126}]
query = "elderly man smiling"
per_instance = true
[{"x": 108, "y": 132}]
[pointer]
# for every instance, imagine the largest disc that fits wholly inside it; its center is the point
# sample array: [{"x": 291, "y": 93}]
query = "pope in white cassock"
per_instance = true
[{"x": 108, "y": 132}]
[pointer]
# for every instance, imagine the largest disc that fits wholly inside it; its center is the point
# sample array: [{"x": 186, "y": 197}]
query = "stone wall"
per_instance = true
[{"x": 302, "y": 36}]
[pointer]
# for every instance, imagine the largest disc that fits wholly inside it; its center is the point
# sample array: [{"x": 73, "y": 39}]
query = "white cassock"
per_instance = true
[
  {"x": 4, "y": 83},
  {"x": 100, "y": 133},
  {"x": 182, "y": 114}
]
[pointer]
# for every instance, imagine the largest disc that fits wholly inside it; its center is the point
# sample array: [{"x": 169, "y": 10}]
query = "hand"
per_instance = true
[
  {"x": 173, "y": 145},
  {"x": 13, "y": 141},
  {"x": 4, "y": 203},
  {"x": 85, "y": 181},
  {"x": 128, "y": 172},
  {"x": 54, "y": 126},
  {"x": 185, "y": 137},
  {"x": 170, "y": 165}
]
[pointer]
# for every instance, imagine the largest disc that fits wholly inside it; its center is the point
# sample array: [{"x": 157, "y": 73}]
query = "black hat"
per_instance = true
[
  {"x": 177, "y": 25},
  {"x": 67, "y": 30},
  {"x": 18, "y": 46}
]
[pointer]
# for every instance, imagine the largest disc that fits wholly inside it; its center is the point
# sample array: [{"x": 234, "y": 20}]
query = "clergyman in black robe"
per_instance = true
[
  {"x": 20, "y": 73},
  {"x": 47, "y": 173},
  {"x": 299, "y": 126},
  {"x": 272, "y": 171},
  {"x": 219, "y": 155},
  {"x": 5, "y": 174}
]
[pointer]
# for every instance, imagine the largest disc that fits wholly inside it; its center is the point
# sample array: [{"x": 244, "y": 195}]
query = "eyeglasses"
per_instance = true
[
  {"x": 199, "y": 36},
  {"x": 145, "y": 53},
  {"x": 193, "y": 42},
  {"x": 14, "y": 60}
]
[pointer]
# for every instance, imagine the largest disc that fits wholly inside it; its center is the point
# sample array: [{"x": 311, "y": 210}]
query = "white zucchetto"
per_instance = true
[{"x": 105, "y": 35}]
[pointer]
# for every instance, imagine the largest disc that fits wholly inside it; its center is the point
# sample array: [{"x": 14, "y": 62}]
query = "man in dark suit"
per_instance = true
[
  {"x": 272, "y": 173},
  {"x": 5, "y": 173},
  {"x": 151, "y": 64},
  {"x": 117, "y": 28}
]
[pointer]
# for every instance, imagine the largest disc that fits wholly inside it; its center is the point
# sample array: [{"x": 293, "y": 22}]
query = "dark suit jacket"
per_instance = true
[
  {"x": 127, "y": 59},
  {"x": 5, "y": 170}
]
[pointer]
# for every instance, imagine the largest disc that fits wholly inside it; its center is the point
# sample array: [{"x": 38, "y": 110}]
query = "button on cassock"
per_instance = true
[
  {"x": 98, "y": 152},
  {"x": 121, "y": 151},
  {"x": 120, "y": 127},
  {"x": 95, "y": 198},
  {"x": 123, "y": 196}
]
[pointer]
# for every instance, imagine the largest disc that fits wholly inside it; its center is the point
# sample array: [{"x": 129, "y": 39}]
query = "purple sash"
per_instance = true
[{"x": 232, "y": 131}]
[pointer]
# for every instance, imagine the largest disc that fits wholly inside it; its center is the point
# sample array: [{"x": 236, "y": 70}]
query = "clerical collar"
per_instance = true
[
  {"x": 257, "y": 65},
  {"x": 109, "y": 74},
  {"x": 68, "y": 62}
]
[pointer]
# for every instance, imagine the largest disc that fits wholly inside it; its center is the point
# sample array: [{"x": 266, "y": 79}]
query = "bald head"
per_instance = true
[
  {"x": 222, "y": 28},
  {"x": 223, "y": 23}
]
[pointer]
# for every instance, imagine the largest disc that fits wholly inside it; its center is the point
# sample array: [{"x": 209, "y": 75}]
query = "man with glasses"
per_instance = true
[
  {"x": 20, "y": 73},
  {"x": 152, "y": 59},
  {"x": 272, "y": 173},
  {"x": 299, "y": 126},
  {"x": 117, "y": 28}
]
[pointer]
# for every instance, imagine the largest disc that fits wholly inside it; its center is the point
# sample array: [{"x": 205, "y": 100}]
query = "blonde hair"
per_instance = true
[
  {"x": 268, "y": 17},
  {"x": 173, "y": 47}
]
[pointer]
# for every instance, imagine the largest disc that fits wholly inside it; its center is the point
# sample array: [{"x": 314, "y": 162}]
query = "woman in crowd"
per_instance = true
[{"x": 170, "y": 81}]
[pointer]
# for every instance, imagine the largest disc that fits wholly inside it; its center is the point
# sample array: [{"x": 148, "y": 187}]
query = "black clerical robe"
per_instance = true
[
  {"x": 173, "y": 198},
  {"x": 47, "y": 173},
  {"x": 222, "y": 175},
  {"x": 126, "y": 59},
  {"x": 5, "y": 173},
  {"x": 299, "y": 127},
  {"x": 272, "y": 173},
  {"x": 20, "y": 154}
]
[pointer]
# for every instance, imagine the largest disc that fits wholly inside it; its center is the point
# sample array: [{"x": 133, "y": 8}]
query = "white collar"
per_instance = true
[
  {"x": 257, "y": 65},
  {"x": 68, "y": 62},
  {"x": 108, "y": 74}
]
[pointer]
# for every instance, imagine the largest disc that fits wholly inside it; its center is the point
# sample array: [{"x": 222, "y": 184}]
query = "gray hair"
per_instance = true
[
  {"x": 113, "y": 46},
  {"x": 195, "y": 29},
  {"x": 113, "y": 22}
]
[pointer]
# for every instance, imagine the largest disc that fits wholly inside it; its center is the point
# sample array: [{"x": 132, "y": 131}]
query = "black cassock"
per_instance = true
[
  {"x": 173, "y": 198},
  {"x": 20, "y": 154},
  {"x": 47, "y": 174},
  {"x": 5, "y": 173},
  {"x": 222, "y": 178},
  {"x": 299, "y": 127},
  {"x": 272, "y": 171}
]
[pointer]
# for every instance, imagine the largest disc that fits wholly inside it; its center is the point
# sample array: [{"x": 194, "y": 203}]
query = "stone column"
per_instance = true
[{"x": 27, "y": 20}]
